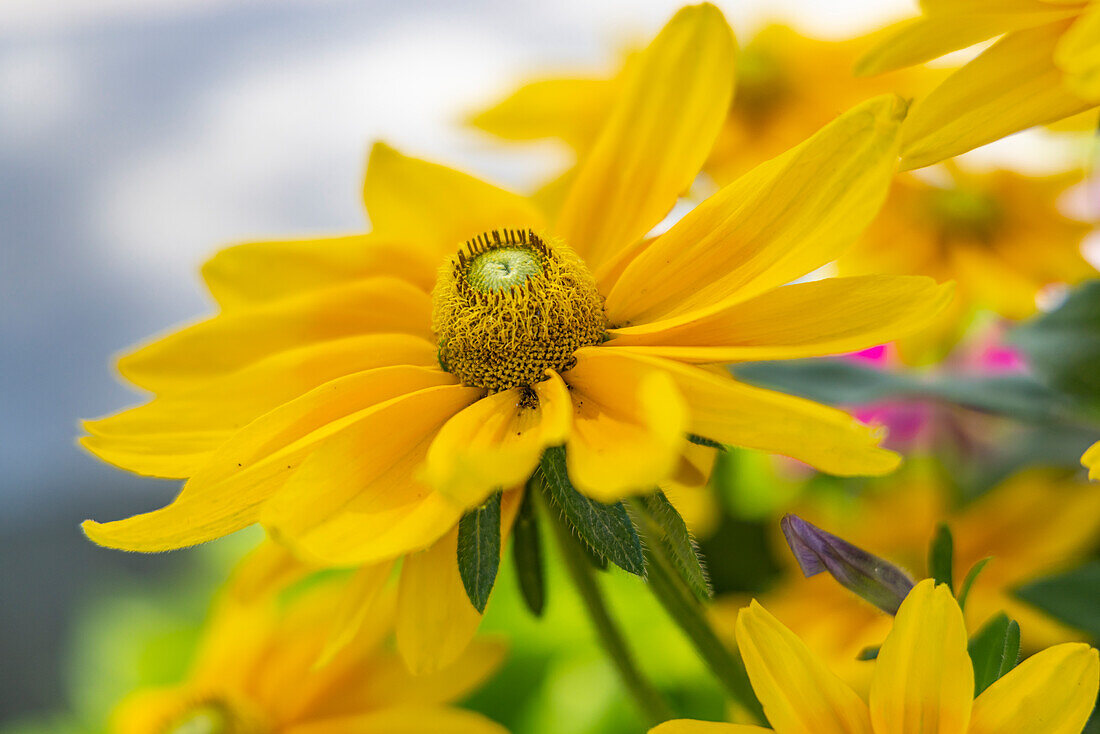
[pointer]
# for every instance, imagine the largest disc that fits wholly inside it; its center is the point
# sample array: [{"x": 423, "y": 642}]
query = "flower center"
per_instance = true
[
  {"x": 509, "y": 305},
  {"x": 966, "y": 212}
]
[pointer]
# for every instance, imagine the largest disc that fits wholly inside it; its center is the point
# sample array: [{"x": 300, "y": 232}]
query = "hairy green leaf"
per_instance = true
[
  {"x": 479, "y": 550},
  {"x": 664, "y": 525},
  {"x": 607, "y": 530},
  {"x": 527, "y": 553},
  {"x": 941, "y": 557},
  {"x": 994, "y": 650}
]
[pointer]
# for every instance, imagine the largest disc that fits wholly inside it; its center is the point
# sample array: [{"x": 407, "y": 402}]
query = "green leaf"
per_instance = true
[
  {"x": 1070, "y": 597},
  {"x": 606, "y": 529},
  {"x": 527, "y": 553},
  {"x": 843, "y": 382},
  {"x": 663, "y": 521},
  {"x": 994, "y": 650},
  {"x": 703, "y": 441},
  {"x": 1063, "y": 346},
  {"x": 479, "y": 550},
  {"x": 971, "y": 576},
  {"x": 941, "y": 556}
]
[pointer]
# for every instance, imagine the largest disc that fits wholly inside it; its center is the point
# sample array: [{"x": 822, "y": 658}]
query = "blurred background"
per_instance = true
[{"x": 139, "y": 136}]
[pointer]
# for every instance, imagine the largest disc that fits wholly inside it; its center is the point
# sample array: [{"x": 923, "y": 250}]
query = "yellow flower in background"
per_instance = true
[
  {"x": 1045, "y": 68},
  {"x": 787, "y": 86},
  {"x": 923, "y": 681},
  {"x": 1033, "y": 524},
  {"x": 256, "y": 672},
  {"x": 356, "y": 395},
  {"x": 1091, "y": 461},
  {"x": 998, "y": 234}
]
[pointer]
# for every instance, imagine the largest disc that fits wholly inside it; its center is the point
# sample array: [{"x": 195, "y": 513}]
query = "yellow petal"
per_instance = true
[
  {"x": 1078, "y": 54},
  {"x": 226, "y": 494},
  {"x": 435, "y": 619},
  {"x": 497, "y": 441},
  {"x": 356, "y": 606},
  {"x": 256, "y": 272},
  {"x": 781, "y": 220},
  {"x": 268, "y": 569},
  {"x": 828, "y": 316},
  {"x": 799, "y": 694},
  {"x": 924, "y": 681},
  {"x": 952, "y": 26},
  {"x": 688, "y": 726},
  {"x": 1052, "y": 692},
  {"x": 1091, "y": 460},
  {"x": 171, "y": 455},
  {"x": 658, "y": 134},
  {"x": 628, "y": 427},
  {"x": 730, "y": 412},
  {"x": 404, "y": 720},
  {"x": 391, "y": 684},
  {"x": 231, "y": 341},
  {"x": 1011, "y": 86},
  {"x": 411, "y": 200},
  {"x": 572, "y": 110},
  {"x": 173, "y": 435}
]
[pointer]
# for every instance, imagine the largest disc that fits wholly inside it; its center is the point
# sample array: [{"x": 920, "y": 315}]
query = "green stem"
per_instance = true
[
  {"x": 690, "y": 616},
  {"x": 645, "y": 696}
]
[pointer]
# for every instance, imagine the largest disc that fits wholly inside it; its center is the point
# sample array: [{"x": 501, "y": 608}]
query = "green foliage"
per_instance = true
[
  {"x": 941, "y": 557},
  {"x": 527, "y": 553},
  {"x": 994, "y": 650},
  {"x": 606, "y": 530},
  {"x": 1071, "y": 597},
  {"x": 971, "y": 577},
  {"x": 479, "y": 550},
  {"x": 1063, "y": 346}
]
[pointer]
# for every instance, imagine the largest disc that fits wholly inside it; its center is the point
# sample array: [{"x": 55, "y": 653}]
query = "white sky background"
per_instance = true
[{"x": 138, "y": 136}]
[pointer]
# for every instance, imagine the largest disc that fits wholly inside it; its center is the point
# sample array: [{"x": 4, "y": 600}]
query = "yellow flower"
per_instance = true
[
  {"x": 1045, "y": 68},
  {"x": 998, "y": 234},
  {"x": 923, "y": 681},
  {"x": 1031, "y": 525},
  {"x": 788, "y": 85},
  {"x": 1091, "y": 461},
  {"x": 256, "y": 672},
  {"x": 356, "y": 395}
]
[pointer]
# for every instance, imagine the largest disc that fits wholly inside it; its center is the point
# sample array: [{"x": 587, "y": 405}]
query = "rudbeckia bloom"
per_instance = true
[
  {"x": 357, "y": 395},
  {"x": 923, "y": 681},
  {"x": 1044, "y": 68},
  {"x": 1034, "y": 524},
  {"x": 998, "y": 234},
  {"x": 255, "y": 672},
  {"x": 788, "y": 86}
]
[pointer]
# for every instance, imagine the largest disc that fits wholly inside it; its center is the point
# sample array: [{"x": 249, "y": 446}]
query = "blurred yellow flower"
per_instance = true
[
  {"x": 787, "y": 86},
  {"x": 923, "y": 681},
  {"x": 1091, "y": 461},
  {"x": 256, "y": 672},
  {"x": 1045, "y": 68},
  {"x": 1031, "y": 525},
  {"x": 315, "y": 403},
  {"x": 998, "y": 234}
]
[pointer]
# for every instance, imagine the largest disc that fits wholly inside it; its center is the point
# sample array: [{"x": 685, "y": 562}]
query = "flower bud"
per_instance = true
[{"x": 878, "y": 581}]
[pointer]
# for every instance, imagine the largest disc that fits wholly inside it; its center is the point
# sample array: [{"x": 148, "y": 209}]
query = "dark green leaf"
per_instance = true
[
  {"x": 994, "y": 650},
  {"x": 703, "y": 441},
  {"x": 1063, "y": 346},
  {"x": 527, "y": 553},
  {"x": 868, "y": 653},
  {"x": 479, "y": 550},
  {"x": 842, "y": 382},
  {"x": 665, "y": 522},
  {"x": 606, "y": 529},
  {"x": 941, "y": 556},
  {"x": 971, "y": 576},
  {"x": 1070, "y": 597}
]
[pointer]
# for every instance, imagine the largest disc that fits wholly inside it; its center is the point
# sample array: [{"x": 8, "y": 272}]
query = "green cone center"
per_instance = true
[{"x": 499, "y": 270}]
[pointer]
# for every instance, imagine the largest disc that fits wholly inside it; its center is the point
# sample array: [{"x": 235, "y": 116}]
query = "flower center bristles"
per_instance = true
[{"x": 511, "y": 305}]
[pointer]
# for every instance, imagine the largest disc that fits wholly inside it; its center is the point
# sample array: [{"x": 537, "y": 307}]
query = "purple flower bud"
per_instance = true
[{"x": 879, "y": 582}]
